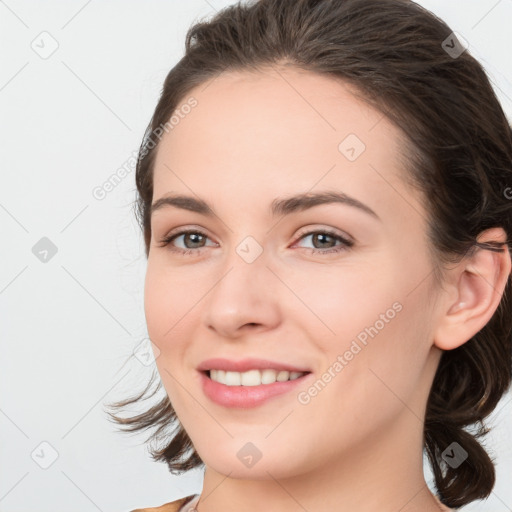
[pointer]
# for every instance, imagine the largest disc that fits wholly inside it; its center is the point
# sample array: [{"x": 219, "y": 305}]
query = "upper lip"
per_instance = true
[{"x": 244, "y": 365}]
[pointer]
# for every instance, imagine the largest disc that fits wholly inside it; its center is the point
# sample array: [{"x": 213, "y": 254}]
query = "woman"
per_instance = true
[{"x": 324, "y": 194}]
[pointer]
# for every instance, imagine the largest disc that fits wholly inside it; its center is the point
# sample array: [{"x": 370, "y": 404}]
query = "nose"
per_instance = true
[{"x": 245, "y": 298}]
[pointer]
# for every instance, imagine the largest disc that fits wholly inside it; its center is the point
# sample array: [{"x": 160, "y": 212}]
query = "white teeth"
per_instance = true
[
  {"x": 250, "y": 378},
  {"x": 268, "y": 376},
  {"x": 232, "y": 378},
  {"x": 253, "y": 377}
]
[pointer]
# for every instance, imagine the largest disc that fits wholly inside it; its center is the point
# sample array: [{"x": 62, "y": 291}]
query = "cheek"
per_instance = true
[
  {"x": 168, "y": 303},
  {"x": 167, "y": 324},
  {"x": 343, "y": 302},
  {"x": 375, "y": 325},
  {"x": 375, "y": 373},
  {"x": 158, "y": 306}
]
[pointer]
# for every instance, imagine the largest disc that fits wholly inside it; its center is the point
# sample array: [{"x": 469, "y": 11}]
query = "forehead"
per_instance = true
[{"x": 262, "y": 131}]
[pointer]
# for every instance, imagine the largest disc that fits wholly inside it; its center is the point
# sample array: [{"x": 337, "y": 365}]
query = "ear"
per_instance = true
[{"x": 473, "y": 292}]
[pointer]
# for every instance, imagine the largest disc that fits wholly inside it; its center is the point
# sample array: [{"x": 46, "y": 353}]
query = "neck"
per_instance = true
[{"x": 383, "y": 474}]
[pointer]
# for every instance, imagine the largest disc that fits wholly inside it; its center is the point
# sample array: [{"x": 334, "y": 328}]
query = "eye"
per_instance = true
[
  {"x": 195, "y": 237},
  {"x": 325, "y": 239}
]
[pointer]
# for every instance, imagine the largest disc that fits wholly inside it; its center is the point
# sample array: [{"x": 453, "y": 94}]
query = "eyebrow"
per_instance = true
[{"x": 280, "y": 206}]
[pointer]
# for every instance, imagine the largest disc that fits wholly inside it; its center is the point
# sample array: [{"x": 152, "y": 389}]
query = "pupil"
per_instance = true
[
  {"x": 323, "y": 235},
  {"x": 194, "y": 235}
]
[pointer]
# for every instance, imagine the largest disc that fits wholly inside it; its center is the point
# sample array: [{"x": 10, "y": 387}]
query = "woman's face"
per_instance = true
[{"x": 355, "y": 315}]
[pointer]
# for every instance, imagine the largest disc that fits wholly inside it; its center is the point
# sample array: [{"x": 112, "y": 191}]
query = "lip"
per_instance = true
[
  {"x": 246, "y": 397},
  {"x": 245, "y": 365}
]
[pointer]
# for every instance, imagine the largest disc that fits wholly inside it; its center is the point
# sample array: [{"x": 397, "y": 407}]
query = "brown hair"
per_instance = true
[{"x": 400, "y": 58}]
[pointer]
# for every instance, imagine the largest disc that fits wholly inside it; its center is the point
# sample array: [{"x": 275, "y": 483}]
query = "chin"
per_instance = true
[{"x": 240, "y": 466}]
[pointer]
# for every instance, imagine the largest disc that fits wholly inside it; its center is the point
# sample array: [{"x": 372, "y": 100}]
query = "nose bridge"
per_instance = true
[
  {"x": 245, "y": 292},
  {"x": 245, "y": 280}
]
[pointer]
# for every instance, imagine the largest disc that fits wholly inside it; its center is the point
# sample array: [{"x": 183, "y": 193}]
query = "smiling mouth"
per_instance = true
[{"x": 252, "y": 377}]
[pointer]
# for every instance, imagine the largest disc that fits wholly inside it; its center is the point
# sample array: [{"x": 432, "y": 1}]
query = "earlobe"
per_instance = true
[{"x": 478, "y": 284}]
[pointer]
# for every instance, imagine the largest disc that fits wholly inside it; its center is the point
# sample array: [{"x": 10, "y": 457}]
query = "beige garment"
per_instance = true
[
  {"x": 173, "y": 506},
  {"x": 190, "y": 506}
]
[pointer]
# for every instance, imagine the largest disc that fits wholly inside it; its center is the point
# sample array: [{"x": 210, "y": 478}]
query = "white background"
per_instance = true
[{"x": 68, "y": 326}]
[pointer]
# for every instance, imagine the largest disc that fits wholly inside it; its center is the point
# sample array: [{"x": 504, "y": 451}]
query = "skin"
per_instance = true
[{"x": 357, "y": 445}]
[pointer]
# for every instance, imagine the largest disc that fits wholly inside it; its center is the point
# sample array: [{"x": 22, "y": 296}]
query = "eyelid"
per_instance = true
[
  {"x": 186, "y": 228},
  {"x": 307, "y": 230}
]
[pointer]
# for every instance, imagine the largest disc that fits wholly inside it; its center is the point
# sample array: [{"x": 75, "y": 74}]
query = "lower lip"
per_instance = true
[{"x": 246, "y": 396}]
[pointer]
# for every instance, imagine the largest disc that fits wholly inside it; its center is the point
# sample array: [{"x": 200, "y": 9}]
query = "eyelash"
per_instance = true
[{"x": 347, "y": 244}]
